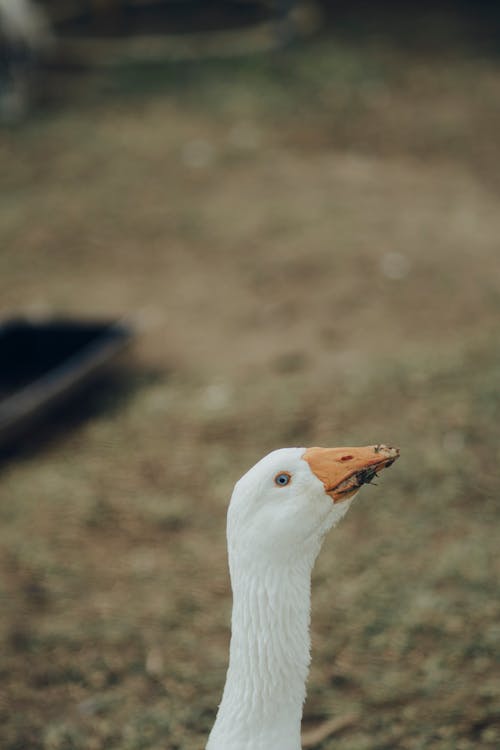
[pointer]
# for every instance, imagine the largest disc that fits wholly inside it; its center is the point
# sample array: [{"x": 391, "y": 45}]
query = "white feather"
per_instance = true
[{"x": 274, "y": 535}]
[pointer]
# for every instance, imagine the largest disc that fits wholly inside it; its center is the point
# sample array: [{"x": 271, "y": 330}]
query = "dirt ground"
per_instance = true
[{"x": 308, "y": 245}]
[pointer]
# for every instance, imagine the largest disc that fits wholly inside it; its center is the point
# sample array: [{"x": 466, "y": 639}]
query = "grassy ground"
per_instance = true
[{"x": 309, "y": 244}]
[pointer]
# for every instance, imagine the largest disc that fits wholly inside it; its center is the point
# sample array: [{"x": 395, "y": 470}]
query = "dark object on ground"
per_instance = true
[{"x": 43, "y": 364}]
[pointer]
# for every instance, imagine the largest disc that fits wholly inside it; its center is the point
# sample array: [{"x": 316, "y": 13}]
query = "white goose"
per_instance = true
[{"x": 279, "y": 513}]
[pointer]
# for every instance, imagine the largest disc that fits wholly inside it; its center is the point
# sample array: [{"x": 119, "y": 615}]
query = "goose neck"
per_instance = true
[{"x": 261, "y": 708}]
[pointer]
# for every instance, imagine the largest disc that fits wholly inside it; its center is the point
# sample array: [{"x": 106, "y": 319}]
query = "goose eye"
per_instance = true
[{"x": 282, "y": 479}]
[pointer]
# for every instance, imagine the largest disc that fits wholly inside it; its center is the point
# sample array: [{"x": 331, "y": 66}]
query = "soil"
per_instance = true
[{"x": 307, "y": 244}]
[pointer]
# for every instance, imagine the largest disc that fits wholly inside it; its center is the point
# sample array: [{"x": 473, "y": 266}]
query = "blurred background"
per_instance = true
[{"x": 294, "y": 206}]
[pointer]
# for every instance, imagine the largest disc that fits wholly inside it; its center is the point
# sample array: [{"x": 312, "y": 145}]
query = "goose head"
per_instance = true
[{"x": 285, "y": 504}]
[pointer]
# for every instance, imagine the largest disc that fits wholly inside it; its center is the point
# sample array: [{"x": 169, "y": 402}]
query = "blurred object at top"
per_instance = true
[
  {"x": 103, "y": 32},
  {"x": 26, "y": 39}
]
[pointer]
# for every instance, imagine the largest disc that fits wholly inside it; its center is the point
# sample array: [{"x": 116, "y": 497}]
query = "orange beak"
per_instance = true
[{"x": 344, "y": 470}]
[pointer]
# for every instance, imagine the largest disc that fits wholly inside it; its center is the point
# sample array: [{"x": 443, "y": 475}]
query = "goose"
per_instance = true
[{"x": 278, "y": 516}]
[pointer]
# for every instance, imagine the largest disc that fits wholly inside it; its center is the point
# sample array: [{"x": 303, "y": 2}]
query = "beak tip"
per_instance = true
[{"x": 390, "y": 452}]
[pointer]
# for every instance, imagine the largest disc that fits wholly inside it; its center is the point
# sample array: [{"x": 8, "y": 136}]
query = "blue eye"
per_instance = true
[{"x": 282, "y": 479}]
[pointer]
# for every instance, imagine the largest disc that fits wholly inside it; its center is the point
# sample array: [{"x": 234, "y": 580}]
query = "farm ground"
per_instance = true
[{"x": 309, "y": 245}]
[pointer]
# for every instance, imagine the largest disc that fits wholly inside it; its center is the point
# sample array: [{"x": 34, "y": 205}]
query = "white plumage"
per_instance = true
[{"x": 278, "y": 516}]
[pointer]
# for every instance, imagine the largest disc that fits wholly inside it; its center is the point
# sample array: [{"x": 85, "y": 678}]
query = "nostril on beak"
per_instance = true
[{"x": 347, "y": 458}]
